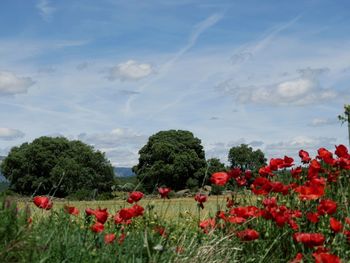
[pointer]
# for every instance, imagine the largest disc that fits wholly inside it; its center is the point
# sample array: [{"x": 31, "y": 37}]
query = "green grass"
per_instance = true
[{"x": 169, "y": 209}]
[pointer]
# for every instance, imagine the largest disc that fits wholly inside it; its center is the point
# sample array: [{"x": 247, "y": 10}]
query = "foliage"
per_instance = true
[
  {"x": 174, "y": 158},
  {"x": 4, "y": 186},
  {"x": 346, "y": 118},
  {"x": 57, "y": 165},
  {"x": 245, "y": 158}
]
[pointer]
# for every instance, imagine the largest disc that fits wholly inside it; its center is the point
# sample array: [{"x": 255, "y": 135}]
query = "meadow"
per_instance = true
[{"x": 287, "y": 213}]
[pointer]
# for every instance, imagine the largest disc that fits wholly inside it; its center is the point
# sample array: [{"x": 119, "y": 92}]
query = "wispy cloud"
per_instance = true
[
  {"x": 248, "y": 50},
  {"x": 11, "y": 84},
  {"x": 9, "y": 134},
  {"x": 192, "y": 40},
  {"x": 130, "y": 71},
  {"x": 45, "y": 9},
  {"x": 318, "y": 122}
]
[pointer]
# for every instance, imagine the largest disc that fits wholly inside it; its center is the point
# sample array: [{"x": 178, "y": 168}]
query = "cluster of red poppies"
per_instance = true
[
  {"x": 123, "y": 217},
  {"x": 310, "y": 183}
]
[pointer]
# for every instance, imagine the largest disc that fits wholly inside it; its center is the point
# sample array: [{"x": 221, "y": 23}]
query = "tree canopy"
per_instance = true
[
  {"x": 174, "y": 158},
  {"x": 245, "y": 158},
  {"x": 49, "y": 165}
]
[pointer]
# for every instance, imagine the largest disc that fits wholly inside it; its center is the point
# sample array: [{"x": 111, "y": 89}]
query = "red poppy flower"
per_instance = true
[
  {"x": 287, "y": 162},
  {"x": 341, "y": 151},
  {"x": 343, "y": 163},
  {"x": 327, "y": 206},
  {"x": 135, "y": 197},
  {"x": 326, "y": 156},
  {"x": 160, "y": 230},
  {"x": 309, "y": 239},
  {"x": 325, "y": 258},
  {"x": 71, "y": 210},
  {"x": 126, "y": 213},
  {"x": 229, "y": 202},
  {"x": 121, "y": 238},
  {"x": 109, "y": 238},
  {"x": 248, "y": 174},
  {"x": 220, "y": 178},
  {"x": 270, "y": 202},
  {"x": 304, "y": 155},
  {"x": 234, "y": 173},
  {"x": 261, "y": 186},
  {"x": 314, "y": 169},
  {"x": 347, "y": 234},
  {"x": 347, "y": 220},
  {"x": 312, "y": 189},
  {"x": 200, "y": 198},
  {"x": 101, "y": 215},
  {"x": 89, "y": 211},
  {"x": 248, "y": 235},
  {"x": 164, "y": 192},
  {"x": 221, "y": 215},
  {"x": 207, "y": 224},
  {"x": 97, "y": 227},
  {"x": 298, "y": 258},
  {"x": 241, "y": 181},
  {"x": 336, "y": 226},
  {"x": 235, "y": 219},
  {"x": 42, "y": 202},
  {"x": 296, "y": 172},
  {"x": 276, "y": 163},
  {"x": 293, "y": 225},
  {"x": 136, "y": 210},
  {"x": 265, "y": 171},
  {"x": 313, "y": 217},
  {"x": 245, "y": 211}
]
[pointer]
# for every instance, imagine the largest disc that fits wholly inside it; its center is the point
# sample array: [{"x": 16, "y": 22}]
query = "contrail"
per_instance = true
[{"x": 192, "y": 40}]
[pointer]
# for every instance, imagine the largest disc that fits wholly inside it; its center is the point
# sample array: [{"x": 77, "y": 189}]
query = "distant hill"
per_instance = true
[{"x": 123, "y": 171}]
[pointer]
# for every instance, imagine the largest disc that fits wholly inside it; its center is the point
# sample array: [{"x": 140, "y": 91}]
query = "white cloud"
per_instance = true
[
  {"x": 115, "y": 138},
  {"x": 9, "y": 134},
  {"x": 10, "y": 84},
  {"x": 130, "y": 71},
  {"x": 299, "y": 91},
  {"x": 317, "y": 122},
  {"x": 292, "y": 146},
  {"x": 45, "y": 9},
  {"x": 121, "y": 145},
  {"x": 122, "y": 157}
]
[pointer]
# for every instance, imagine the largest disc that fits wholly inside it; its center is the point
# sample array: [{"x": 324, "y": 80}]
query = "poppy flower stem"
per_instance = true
[
  {"x": 217, "y": 203},
  {"x": 199, "y": 214}
]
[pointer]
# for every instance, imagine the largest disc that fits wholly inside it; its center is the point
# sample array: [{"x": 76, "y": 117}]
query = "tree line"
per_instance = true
[{"x": 60, "y": 167}]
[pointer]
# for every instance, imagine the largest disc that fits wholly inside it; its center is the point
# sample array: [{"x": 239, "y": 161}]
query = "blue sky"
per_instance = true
[{"x": 272, "y": 74}]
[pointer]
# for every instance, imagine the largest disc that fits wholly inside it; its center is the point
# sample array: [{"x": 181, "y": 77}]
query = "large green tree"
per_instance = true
[
  {"x": 57, "y": 165},
  {"x": 245, "y": 157},
  {"x": 173, "y": 158}
]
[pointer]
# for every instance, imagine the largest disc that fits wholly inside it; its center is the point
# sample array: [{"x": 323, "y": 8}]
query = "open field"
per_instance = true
[{"x": 169, "y": 209}]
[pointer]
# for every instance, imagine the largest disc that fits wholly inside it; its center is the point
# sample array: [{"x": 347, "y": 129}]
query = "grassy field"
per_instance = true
[{"x": 169, "y": 209}]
